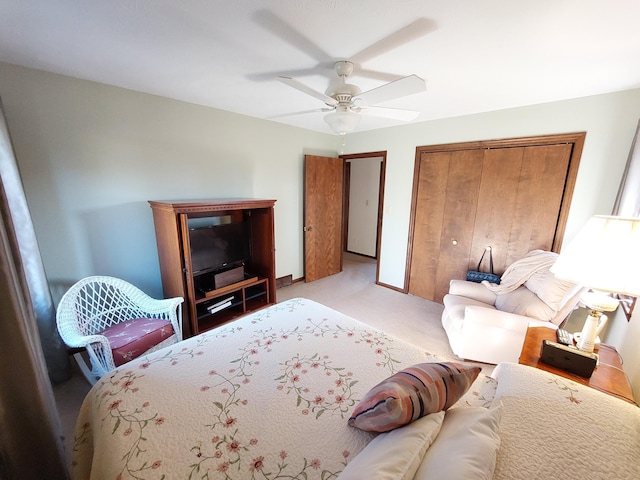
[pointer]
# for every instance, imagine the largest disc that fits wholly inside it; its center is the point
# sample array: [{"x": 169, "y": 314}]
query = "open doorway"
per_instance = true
[
  {"x": 363, "y": 207},
  {"x": 327, "y": 209}
]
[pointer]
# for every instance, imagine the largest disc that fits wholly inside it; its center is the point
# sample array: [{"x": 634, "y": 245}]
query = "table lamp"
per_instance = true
[{"x": 605, "y": 257}]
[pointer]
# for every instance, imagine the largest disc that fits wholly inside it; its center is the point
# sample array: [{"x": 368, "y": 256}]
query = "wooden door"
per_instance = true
[
  {"x": 323, "y": 191},
  {"x": 447, "y": 192},
  {"x": 514, "y": 199},
  {"x": 519, "y": 202}
]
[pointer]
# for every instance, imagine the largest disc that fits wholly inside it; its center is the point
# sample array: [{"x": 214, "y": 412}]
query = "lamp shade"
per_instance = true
[{"x": 604, "y": 255}]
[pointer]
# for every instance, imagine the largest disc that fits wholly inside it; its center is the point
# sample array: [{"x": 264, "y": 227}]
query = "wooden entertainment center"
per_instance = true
[{"x": 214, "y": 297}]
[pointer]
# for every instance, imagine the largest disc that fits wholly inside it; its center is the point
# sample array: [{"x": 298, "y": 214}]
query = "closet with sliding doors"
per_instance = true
[{"x": 512, "y": 195}]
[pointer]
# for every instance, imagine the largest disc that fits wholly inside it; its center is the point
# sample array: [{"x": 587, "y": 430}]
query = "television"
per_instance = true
[{"x": 215, "y": 247}]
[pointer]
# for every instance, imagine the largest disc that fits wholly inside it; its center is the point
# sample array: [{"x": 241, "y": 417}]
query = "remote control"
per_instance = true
[{"x": 564, "y": 337}]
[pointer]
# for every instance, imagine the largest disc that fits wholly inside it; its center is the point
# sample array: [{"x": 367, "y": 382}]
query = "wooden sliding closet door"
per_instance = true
[
  {"x": 519, "y": 201},
  {"x": 447, "y": 193},
  {"x": 514, "y": 199}
]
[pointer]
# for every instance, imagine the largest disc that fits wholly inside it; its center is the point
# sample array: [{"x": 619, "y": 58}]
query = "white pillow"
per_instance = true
[
  {"x": 524, "y": 302},
  {"x": 466, "y": 447},
  {"x": 550, "y": 289},
  {"x": 395, "y": 454}
]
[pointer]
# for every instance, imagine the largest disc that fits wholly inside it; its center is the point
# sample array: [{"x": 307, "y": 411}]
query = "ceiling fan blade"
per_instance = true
[
  {"x": 302, "y": 72},
  {"x": 286, "y": 32},
  {"x": 390, "y": 91},
  {"x": 410, "y": 32},
  {"x": 375, "y": 75},
  {"x": 309, "y": 91},
  {"x": 394, "y": 113},
  {"x": 303, "y": 112}
]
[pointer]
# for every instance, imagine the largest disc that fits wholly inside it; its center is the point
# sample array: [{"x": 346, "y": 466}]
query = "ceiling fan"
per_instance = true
[{"x": 345, "y": 102}]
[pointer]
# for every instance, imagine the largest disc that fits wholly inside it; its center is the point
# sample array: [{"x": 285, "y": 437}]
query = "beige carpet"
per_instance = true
[{"x": 353, "y": 292}]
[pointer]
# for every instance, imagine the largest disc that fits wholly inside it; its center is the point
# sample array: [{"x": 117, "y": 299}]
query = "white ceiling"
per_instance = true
[{"x": 475, "y": 55}]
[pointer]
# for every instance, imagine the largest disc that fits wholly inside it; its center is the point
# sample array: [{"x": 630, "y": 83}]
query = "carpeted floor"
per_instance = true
[{"x": 353, "y": 292}]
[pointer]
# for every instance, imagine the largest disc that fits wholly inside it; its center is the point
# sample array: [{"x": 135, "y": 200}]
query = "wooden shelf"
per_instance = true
[
  {"x": 228, "y": 289},
  {"x": 245, "y": 296}
]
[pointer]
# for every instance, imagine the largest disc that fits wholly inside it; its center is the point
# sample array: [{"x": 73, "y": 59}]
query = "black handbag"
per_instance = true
[{"x": 478, "y": 276}]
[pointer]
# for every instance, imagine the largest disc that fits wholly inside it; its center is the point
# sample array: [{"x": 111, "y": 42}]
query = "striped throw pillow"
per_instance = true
[{"x": 412, "y": 393}]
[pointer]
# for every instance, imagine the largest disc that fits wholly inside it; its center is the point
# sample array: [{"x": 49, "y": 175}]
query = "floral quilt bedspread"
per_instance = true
[{"x": 267, "y": 396}]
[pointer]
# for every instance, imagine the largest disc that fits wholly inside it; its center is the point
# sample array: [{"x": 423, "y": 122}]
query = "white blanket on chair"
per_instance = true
[{"x": 521, "y": 270}]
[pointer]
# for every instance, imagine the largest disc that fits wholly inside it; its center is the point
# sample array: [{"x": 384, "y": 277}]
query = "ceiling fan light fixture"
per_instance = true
[{"x": 342, "y": 122}]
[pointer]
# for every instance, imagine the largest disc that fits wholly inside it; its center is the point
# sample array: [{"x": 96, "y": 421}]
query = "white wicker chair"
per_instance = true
[{"x": 96, "y": 303}]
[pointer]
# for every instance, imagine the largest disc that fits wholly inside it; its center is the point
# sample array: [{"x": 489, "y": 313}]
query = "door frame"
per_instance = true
[{"x": 345, "y": 203}]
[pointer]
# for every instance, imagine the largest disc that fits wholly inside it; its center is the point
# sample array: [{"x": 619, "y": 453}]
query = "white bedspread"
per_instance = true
[
  {"x": 267, "y": 396},
  {"x": 554, "y": 428}
]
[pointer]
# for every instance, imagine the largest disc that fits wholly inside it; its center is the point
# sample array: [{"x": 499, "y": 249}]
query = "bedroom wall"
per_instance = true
[
  {"x": 627, "y": 346},
  {"x": 91, "y": 156},
  {"x": 363, "y": 205}
]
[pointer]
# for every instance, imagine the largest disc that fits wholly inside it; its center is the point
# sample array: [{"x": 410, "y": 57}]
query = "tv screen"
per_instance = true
[{"x": 214, "y": 247}]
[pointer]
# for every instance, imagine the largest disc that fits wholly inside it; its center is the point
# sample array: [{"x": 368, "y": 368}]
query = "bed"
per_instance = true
[{"x": 271, "y": 394}]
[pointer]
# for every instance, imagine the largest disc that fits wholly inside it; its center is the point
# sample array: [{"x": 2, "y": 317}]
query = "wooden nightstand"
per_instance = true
[{"x": 608, "y": 377}]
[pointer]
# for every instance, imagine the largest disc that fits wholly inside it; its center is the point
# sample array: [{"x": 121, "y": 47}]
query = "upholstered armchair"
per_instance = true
[{"x": 488, "y": 322}]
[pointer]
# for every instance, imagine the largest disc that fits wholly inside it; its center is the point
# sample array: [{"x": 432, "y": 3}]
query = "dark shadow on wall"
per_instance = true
[{"x": 121, "y": 243}]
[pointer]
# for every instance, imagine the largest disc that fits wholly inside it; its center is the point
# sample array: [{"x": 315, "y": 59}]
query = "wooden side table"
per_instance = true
[{"x": 608, "y": 377}]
